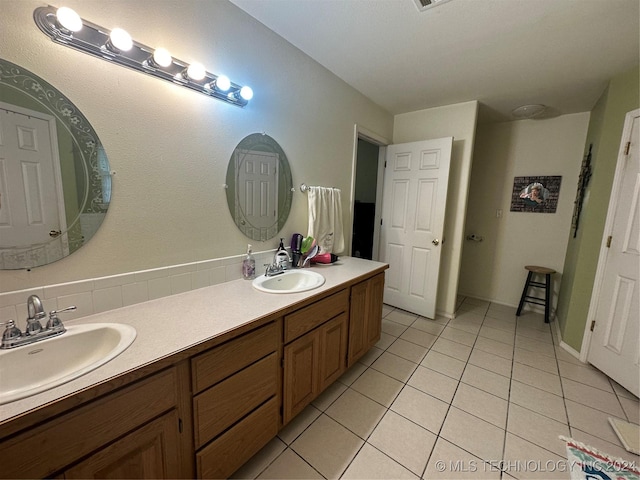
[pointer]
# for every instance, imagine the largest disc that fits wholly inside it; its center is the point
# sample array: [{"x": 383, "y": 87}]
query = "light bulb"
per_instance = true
[
  {"x": 223, "y": 83},
  {"x": 162, "y": 57},
  {"x": 69, "y": 19},
  {"x": 246, "y": 93},
  {"x": 120, "y": 39},
  {"x": 196, "y": 71}
]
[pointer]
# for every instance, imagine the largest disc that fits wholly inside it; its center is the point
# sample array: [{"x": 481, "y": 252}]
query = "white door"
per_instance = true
[
  {"x": 615, "y": 343},
  {"x": 257, "y": 185},
  {"x": 30, "y": 186},
  {"x": 413, "y": 207}
]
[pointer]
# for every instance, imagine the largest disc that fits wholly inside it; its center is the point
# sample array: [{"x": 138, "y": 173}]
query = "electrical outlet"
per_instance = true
[{"x": 499, "y": 213}]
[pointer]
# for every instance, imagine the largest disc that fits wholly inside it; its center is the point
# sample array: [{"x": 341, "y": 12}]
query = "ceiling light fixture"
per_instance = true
[
  {"x": 529, "y": 111},
  {"x": 66, "y": 27},
  {"x": 427, "y": 4}
]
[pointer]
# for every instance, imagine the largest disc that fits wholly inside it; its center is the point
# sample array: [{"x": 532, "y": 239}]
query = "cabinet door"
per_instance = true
[
  {"x": 301, "y": 369},
  {"x": 357, "y": 326},
  {"x": 150, "y": 451},
  {"x": 375, "y": 291},
  {"x": 333, "y": 350}
]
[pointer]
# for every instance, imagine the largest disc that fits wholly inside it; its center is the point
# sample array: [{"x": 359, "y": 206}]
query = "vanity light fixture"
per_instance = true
[{"x": 64, "y": 26}]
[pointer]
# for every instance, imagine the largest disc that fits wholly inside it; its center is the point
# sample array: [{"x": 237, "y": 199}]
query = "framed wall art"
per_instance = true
[{"x": 537, "y": 194}]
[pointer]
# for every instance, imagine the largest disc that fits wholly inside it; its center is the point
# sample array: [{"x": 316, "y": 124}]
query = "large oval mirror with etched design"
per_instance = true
[
  {"x": 55, "y": 183},
  {"x": 259, "y": 187}
]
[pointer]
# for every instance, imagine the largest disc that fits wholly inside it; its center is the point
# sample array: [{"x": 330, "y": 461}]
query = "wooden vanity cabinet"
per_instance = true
[
  {"x": 236, "y": 400},
  {"x": 365, "y": 316}
]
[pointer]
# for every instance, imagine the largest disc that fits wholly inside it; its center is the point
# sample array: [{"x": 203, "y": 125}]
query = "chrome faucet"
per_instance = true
[
  {"x": 273, "y": 269},
  {"x": 12, "y": 336}
]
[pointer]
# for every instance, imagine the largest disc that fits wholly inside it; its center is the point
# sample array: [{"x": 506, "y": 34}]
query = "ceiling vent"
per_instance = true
[{"x": 427, "y": 4}]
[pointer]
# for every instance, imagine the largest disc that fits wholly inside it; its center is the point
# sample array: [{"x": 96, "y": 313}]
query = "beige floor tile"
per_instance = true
[
  {"x": 434, "y": 383},
  {"x": 535, "y": 334},
  {"x": 613, "y": 450},
  {"x": 385, "y": 341},
  {"x": 508, "y": 325},
  {"x": 473, "y": 434},
  {"x": 371, "y": 463},
  {"x": 563, "y": 355},
  {"x": 451, "y": 462},
  {"x": 530, "y": 318},
  {"x": 585, "y": 374},
  {"x": 497, "y": 334},
  {"x": 537, "y": 378},
  {"x": 406, "y": 442},
  {"x": 261, "y": 460},
  {"x": 469, "y": 327},
  {"x": 358, "y": 413},
  {"x": 393, "y": 328},
  {"x": 352, "y": 374},
  {"x": 327, "y": 397},
  {"x": 424, "y": 339},
  {"x": 289, "y": 466},
  {"x": 541, "y": 348},
  {"x": 421, "y": 408},
  {"x": 539, "y": 401},
  {"x": 491, "y": 362},
  {"x": 541, "y": 362},
  {"x": 327, "y": 446},
  {"x": 536, "y": 428},
  {"x": 453, "y": 349},
  {"x": 371, "y": 356},
  {"x": 631, "y": 409},
  {"x": 407, "y": 350},
  {"x": 426, "y": 325},
  {"x": 459, "y": 336},
  {"x": 591, "y": 421},
  {"x": 394, "y": 366},
  {"x": 506, "y": 316},
  {"x": 471, "y": 309},
  {"x": 476, "y": 302},
  {"x": 484, "y": 405},
  {"x": 525, "y": 460},
  {"x": 402, "y": 317},
  {"x": 494, "y": 347},
  {"x": 499, "y": 307},
  {"x": 621, "y": 391},
  {"x": 386, "y": 310},
  {"x": 592, "y": 397},
  {"x": 469, "y": 317},
  {"x": 449, "y": 366},
  {"x": 299, "y": 424},
  {"x": 485, "y": 380},
  {"x": 378, "y": 387}
]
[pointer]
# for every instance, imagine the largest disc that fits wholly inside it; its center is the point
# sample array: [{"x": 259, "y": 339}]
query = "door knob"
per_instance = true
[
  {"x": 55, "y": 233},
  {"x": 436, "y": 242}
]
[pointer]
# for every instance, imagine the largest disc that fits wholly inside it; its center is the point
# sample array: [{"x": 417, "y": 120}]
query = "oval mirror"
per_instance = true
[
  {"x": 259, "y": 187},
  {"x": 55, "y": 183}
]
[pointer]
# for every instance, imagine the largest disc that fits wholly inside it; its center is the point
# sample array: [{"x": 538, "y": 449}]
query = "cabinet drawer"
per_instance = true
[
  {"x": 87, "y": 428},
  {"x": 308, "y": 318},
  {"x": 231, "y": 450},
  {"x": 227, "y": 402},
  {"x": 220, "y": 362}
]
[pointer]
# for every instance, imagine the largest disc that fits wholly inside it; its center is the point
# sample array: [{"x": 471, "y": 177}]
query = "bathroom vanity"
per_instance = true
[{"x": 212, "y": 377}]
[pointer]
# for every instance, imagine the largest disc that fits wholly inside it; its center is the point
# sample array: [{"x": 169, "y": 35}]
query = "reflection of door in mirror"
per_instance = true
[
  {"x": 32, "y": 208},
  {"x": 257, "y": 189}
]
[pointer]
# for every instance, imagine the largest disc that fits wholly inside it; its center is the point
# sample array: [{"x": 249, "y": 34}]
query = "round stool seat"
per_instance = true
[{"x": 540, "y": 270}]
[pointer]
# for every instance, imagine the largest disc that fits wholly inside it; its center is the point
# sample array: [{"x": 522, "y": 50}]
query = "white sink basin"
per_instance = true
[
  {"x": 292, "y": 281},
  {"x": 31, "y": 369}
]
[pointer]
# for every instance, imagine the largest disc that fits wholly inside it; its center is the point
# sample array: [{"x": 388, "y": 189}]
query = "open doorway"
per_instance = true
[{"x": 364, "y": 243}]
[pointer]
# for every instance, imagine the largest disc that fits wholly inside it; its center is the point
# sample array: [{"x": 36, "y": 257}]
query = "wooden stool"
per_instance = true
[{"x": 546, "y": 301}]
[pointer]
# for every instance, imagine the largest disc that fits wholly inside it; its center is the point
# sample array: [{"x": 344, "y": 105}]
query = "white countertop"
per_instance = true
[{"x": 172, "y": 324}]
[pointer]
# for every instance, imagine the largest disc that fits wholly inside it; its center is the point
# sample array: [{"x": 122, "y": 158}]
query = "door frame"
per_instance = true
[
  {"x": 360, "y": 132},
  {"x": 602, "y": 258}
]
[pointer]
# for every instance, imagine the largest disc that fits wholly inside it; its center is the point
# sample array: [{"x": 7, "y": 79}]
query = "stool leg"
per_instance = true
[
  {"x": 524, "y": 294},
  {"x": 547, "y": 298}
]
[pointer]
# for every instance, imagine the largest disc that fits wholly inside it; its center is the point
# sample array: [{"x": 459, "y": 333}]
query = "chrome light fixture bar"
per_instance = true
[{"x": 65, "y": 27}]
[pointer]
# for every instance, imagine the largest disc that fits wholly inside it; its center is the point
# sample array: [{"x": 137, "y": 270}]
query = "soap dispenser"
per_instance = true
[
  {"x": 282, "y": 257},
  {"x": 249, "y": 265}
]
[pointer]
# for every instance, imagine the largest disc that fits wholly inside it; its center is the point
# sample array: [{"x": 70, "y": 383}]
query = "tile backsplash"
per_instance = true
[{"x": 107, "y": 293}]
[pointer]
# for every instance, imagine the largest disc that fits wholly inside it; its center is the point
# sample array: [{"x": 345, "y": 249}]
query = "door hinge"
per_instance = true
[
  {"x": 380, "y": 221},
  {"x": 180, "y": 426},
  {"x": 385, "y": 164},
  {"x": 593, "y": 325},
  {"x": 627, "y": 147},
  {"x": 609, "y": 238}
]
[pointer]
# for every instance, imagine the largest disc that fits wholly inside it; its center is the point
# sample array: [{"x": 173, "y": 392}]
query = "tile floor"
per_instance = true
[{"x": 484, "y": 395}]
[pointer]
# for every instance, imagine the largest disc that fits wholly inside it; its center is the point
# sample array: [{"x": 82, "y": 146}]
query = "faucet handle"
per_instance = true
[
  {"x": 54, "y": 321},
  {"x": 11, "y": 332}
]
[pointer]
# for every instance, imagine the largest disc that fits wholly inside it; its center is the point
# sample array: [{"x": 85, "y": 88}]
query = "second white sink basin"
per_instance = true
[
  {"x": 40, "y": 366},
  {"x": 292, "y": 281}
]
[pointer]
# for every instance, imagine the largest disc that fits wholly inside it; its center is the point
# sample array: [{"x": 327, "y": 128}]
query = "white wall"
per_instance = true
[
  {"x": 457, "y": 121},
  {"x": 494, "y": 268},
  {"x": 170, "y": 146}
]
